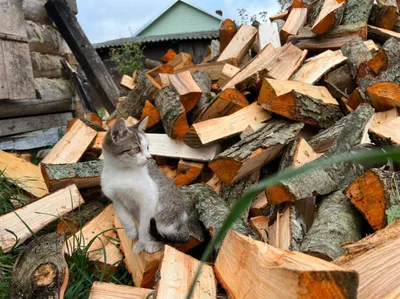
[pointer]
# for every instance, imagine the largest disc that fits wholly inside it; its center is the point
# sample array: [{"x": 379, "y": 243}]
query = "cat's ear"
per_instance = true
[
  {"x": 118, "y": 130},
  {"x": 141, "y": 126}
]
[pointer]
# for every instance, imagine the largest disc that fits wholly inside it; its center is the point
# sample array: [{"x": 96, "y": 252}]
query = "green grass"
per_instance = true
[
  {"x": 9, "y": 192},
  {"x": 7, "y": 261}
]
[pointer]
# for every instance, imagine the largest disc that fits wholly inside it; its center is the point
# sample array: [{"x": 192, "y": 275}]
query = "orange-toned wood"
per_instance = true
[
  {"x": 227, "y": 31},
  {"x": 330, "y": 15},
  {"x": 187, "y": 172},
  {"x": 153, "y": 114},
  {"x": 171, "y": 54},
  {"x": 384, "y": 95},
  {"x": 379, "y": 62}
]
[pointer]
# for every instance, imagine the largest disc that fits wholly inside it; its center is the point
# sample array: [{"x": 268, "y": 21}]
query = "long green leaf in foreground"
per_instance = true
[{"x": 240, "y": 207}]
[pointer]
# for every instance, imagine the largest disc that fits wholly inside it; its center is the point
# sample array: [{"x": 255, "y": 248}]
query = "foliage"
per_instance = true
[
  {"x": 9, "y": 192},
  {"x": 128, "y": 58},
  {"x": 393, "y": 213},
  {"x": 7, "y": 261},
  {"x": 285, "y": 4},
  {"x": 240, "y": 207},
  {"x": 246, "y": 19}
]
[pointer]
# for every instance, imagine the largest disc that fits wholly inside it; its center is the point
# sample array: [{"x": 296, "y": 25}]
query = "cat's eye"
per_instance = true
[{"x": 136, "y": 150}]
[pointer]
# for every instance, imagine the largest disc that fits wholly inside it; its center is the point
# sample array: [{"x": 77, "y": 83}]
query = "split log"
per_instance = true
[
  {"x": 179, "y": 267},
  {"x": 212, "y": 210},
  {"x": 103, "y": 249},
  {"x": 386, "y": 134},
  {"x": 226, "y": 103},
  {"x": 299, "y": 101},
  {"x": 214, "y": 69},
  {"x": 180, "y": 61},
  {"x": 260, "y": 226},
  {"x": 72, "y": 146},
  {"x": 254, "y": 151},
  {"x": 171, "y": 54},
  {"x": 227, "y": 31},
  {"x": 380, "y": 118},
  {"x": 215, "y": 183},
  {"x": 128, "y": 82},
  {"x": 57, "y": 89},
  {"x": 104, "y": 290},
  {"x": 169, "y": 171},
  {"x": 40, "y": 270},
  {"x": 188, "y": 90},
  {"x": 215, "y": 129},
  {"x": 203, "y": 80},
  {"x": 251, "y": 129},
  {"x": 384, "y": 95},
  {"x": 332, "y": 40},
  {"x": 72, "y": 222},
  {"x": 150, "y": 63},
  {"x": 43, "y": 38},
  {"x": 381, "y": 34},
  {"x": 297, "y": 18},
  {"x": 331, "y": 14},
  {"x": 187, "y": 172},
  {"x": 357, "y": 11},
  {"x": 373, "y": 194},
  {"x": 82, "y": 174},
  {"x": 84, "y": 52},
  {"x": 172, "y": 113},
  {"x": 280, "y": 16},
  {"x": 24, "y": 174},
  {"x": 49, "y": 66},
  {"x": 228, "y": 72},
  {"x": 378, "y": 63},
  {"x": 378, "y": 276},
  {"x": 135, "y": 100},
  {"x": 268, "y": 33},
  {"x": 384, "y": 14},
  {"x": 325, "y": 180},
  {"x": 309, "y": 277},
  {"x": 356, "y": 98},
  {"x": 357, "y": 53},
  {"x": 315, "y": 68},
  {"x": 259, "y": 204},
  {"x": 239, "y": 45},
  {"x": 153, "y": 75},
  {"x": 288, "y": 230},
  {"x": 36, "y": 216},
  {"x": 152, "y": 113}
]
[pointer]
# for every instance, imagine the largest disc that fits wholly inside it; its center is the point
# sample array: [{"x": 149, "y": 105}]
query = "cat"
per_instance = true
[{"x": 139, "y": 190}]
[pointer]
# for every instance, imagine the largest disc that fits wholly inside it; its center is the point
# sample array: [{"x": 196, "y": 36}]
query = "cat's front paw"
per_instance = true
[
  {"x": 132, "y": 233},
  {"x": 150, "y": 247}
]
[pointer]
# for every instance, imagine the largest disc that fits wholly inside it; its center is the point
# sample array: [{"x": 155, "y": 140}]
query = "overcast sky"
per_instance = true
[{"x": 104, "y": 20}]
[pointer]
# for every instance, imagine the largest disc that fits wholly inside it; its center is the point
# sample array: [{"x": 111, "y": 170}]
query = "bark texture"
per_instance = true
[
  {"x": 203, "y": 80},
  {"x": 213, "y": 211},
  {"x": 357, "y": 11},
  {"x": 357, "y": 53},
  {"x": 40, "y": 270},
  {"x": 337, "y": 223},
  {"x": 43, "y": 38},
  {"x": 297, "y": 228},
  {"x": 53, "y": 89},
  {"x": 342, "y": 79},
  {"x": 74, "y": 170},
  {"x": 49, "y": 66}
]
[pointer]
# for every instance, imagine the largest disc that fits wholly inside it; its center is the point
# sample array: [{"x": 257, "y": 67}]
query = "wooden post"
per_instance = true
[{"x": 84, "y": 52}]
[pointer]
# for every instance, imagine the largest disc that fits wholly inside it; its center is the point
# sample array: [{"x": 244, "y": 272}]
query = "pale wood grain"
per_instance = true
[
  {"x": 103, "y": 290},
  {"x": 128, "y": 82},
  {"x": 228, "y": 72},
  {"x": 297, "y": 19}
]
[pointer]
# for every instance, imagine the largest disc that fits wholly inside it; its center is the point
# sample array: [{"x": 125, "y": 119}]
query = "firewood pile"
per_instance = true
[{"x": 319, "y": 80}]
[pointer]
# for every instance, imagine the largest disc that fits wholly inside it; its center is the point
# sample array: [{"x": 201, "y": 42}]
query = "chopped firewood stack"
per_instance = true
[{"x": 324, "y": 84}]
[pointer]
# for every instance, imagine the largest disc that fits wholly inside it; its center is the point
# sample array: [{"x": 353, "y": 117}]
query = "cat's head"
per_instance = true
[{"x": 127, "y": 145}]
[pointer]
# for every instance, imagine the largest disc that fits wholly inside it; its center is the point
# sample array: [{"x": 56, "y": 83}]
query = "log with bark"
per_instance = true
[
  {"x": 357, "y": 53},
  {"x": 181, "y": 61},
  {"x": 330, "y": 15},
  {"x": 284, "y": 274},
  {"x": 299, "y": 101},
  {"x": 259, "y": 225},
  {"x": 172, "y": 112},
  {"x": 228, "y": 72},
  {"x": 357, "y": 11},
  {"x": 187, "y": 172},
  {"x": 325, "y": 180},
  {"x": 40, "y": 270},
  {"x": 203, "y": 80},
  {"x": 297, "y": 18},
  {"x": 254, "y": 151},
  {"x": 380, "y": 34},
  {"x": 152, "y": 113},
  {"x": 375, "y": 258},
  {"x": 171, "y": 54},
  {"x": 384, "y": 14},
  {"x": 227, "y": 31}
]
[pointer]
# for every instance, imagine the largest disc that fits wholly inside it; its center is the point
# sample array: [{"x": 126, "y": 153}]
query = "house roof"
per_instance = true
[
  {"x": 159, "y": 38},
  {"x": 179, "y": 7}
]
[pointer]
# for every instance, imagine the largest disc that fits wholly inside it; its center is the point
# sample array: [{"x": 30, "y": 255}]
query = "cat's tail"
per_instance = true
[{"x": 176, "y": 233}]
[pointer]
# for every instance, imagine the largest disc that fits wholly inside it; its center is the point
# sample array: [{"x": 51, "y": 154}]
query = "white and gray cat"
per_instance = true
[{"x": 139, "y": 190}]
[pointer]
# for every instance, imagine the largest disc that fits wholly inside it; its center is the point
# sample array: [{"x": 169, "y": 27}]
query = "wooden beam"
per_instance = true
[
  {"x": 284, "y": 274},
  {"x": 104, "y": 290},
  {"x": 72, "y": 146},
  {"x": 37, "y": 215},
  {"x": 215, "y": 129},
  {"x": 84, "y": 52},
  {"x": 179, "y": 267}
]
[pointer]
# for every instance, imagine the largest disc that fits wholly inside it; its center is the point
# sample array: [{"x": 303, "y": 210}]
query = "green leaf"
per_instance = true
[
  {"x": 393, "y": 213},
  {"x": 240, "y": 207}
]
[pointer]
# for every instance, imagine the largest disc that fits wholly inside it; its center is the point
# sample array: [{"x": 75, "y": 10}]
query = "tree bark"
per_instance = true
[
  {"x": 383, "y": 16},
  {"x": 213, "y": 211},
  {"x": 172, "y": 113},
  {"x": 357, "y": 11},
  {"x": 41, "y": 271},
  {"x": 151, "y": 64},
  {"x": 203, "y": 80},
  {"x": 357, "y": 53},
  {"x": 325, "y": 180},
  {"x": 254, "y": 151}
]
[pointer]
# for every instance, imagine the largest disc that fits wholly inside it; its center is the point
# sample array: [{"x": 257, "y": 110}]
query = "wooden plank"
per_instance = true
[
  {"x": 228, "y": 72},
  {"x": 18, "y": 70},
  {"x": 37, "y": 215},
  {"x": 268, "y": 33},
  {"x": 214, "y": 69},
  {"x": 211, "y": 130},
  {"x": 32, "y": 123},
  {"x": 297, "y": 18},
  {"x": 103, "y": 290},
  {"x": 239, "y": 45},
  {"x": 313, "y": 69},
  {"x": 12, "y": 20},
  {"x": 100, "y": 231},
  {"x": 176, "y": 274},
  {"x": 72, "y": 146},
  {"x": 26, "y": 175},
  {"x": 84, "y": 52}
]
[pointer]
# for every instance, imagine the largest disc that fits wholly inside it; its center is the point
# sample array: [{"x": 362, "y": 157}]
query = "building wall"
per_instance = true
[{"x": 181, "y": 18}]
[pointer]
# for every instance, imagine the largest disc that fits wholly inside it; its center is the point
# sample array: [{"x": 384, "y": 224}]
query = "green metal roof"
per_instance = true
[{"x": 180, "y": 17}]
